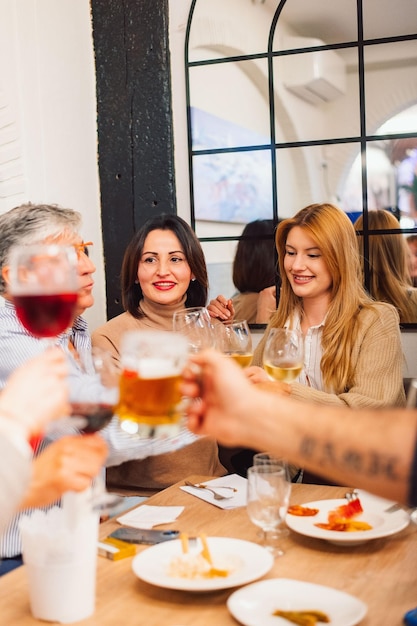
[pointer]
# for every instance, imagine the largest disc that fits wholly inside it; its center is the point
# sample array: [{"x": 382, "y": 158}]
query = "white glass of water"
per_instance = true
[{"x": 268, "y": 497}]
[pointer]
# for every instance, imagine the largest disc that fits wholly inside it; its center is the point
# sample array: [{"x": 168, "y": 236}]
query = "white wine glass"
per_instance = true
[
  {"x": 44, "y": 288},
  {"x": 283, "y": 357},
  {"x": 234, "y": 340},
  {"x": 268, "y": 498},
  {"x": 195, "y": 324}
]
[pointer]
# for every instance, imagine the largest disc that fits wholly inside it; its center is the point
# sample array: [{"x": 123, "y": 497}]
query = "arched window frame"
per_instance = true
[{"x": 362, "y": 139}]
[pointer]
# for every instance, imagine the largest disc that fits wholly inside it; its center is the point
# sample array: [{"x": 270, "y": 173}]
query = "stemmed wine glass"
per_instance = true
[
  {"x": 195, "y": 324},
  {"x": 268, "y": 498},
  {"x": 283, "y": 356},
  {"x": 234, "y": 339},
  {"x": 44, "y": 288}
]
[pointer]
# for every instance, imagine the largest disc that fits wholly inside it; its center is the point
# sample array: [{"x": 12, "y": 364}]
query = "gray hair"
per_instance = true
[{"x": 32, "y": 224}]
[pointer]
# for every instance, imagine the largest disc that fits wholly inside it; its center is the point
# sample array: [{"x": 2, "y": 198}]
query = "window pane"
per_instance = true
[
  {"x": 385, "y": 18},
  {"x": 316, "y": 96},
  {"x": 233, "y": 100},
  {"x": 241, "y": 31},
  {"x": 219, "y": 257},
  {"x": 330, "y": 22},
  {"x": 392, "y": 67},
  {"x": 233, "y": 187},
  {"x": 319, "y": 174}
]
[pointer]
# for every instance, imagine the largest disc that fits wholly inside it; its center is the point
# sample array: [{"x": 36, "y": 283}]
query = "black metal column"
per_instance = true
[{"x": 135, "y": 138}]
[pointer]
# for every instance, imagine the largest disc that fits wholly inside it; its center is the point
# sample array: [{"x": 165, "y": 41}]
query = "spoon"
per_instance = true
[{"x": 217, "y": 496}]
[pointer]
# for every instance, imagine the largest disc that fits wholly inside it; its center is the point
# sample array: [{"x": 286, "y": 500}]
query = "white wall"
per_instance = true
[{"x": 48, "y": 135}]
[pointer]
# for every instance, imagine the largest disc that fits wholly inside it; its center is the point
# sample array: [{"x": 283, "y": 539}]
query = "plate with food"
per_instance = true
[
  {"x": 344, "y": 522},
  {"x": 282, "y": 602},
  {"x": 202, "y": 564}
]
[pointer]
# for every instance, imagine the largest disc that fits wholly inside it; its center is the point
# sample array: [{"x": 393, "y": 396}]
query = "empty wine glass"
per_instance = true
[
  {"x": 195, "y": 324},
  {"x": 44, "y": 287},
  {"x": 234, "y": 339},
  {"x": 283, "y": 356},
  {"x": 268, "y": 498}
]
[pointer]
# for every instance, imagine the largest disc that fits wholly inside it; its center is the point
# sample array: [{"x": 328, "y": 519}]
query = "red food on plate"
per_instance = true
[
  {"x": 302, "y": 511},
  {"x": 345, "y": 512},
  {"x": 342, "y": 518}
]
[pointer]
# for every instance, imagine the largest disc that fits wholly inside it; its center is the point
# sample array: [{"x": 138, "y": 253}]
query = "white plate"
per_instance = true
[
  {"x": 254, "y": 605},
  {"x": 383, "y": 524},
  {"x": 252, "y": 561}
]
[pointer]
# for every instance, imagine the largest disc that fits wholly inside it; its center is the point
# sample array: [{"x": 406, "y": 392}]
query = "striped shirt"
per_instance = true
[{"x": 17, "y": 345}]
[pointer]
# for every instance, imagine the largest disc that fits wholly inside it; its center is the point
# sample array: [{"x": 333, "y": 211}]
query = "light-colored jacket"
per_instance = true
[{"x": 378, "y": 362}]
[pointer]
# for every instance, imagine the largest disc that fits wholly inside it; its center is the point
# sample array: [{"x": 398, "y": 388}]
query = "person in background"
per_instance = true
[
  {"x": 45, "y": 223},
  {"x": 371, "y": 448},
  {"x": 163, "y": 271},
  {"x": 254, "y": 275},
  {"x": 389, "y": 265},
  {"x": 34, "y": 395},
  {"x": 412, "y": 244}
]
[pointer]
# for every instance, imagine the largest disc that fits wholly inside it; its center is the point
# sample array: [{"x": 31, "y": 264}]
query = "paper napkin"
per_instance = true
[
  {"x": 145, "y": 516},
  {"x": 232, "y": 480}
]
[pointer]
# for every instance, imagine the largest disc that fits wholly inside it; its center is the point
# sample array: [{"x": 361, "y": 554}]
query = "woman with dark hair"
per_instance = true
[
  {"x": 196, "y": 292},
  {"x": 163, "y": 270},
  {"x": 255, "y": 274}
]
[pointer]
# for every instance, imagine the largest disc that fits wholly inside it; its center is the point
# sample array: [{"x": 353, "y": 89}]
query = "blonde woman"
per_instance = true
[
  {"x": 353, "y": 344},
  {"x": 389, "y": 265}
]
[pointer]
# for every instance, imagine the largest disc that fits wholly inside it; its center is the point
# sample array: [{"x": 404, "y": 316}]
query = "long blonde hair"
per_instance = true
[
  {"x": 390, "y": 279},
  {"x": 334, "y": 234}
]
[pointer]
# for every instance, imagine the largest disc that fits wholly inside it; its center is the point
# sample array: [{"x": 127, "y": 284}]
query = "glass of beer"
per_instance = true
[
  {"x": 150, "y": 400},
  {"x": 283, "y": 357}
]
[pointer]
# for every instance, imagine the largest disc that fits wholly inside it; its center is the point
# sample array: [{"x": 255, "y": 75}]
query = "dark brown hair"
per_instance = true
[
  {"x": 197, "y": 289},
  {"x": 255, "y": 265}
]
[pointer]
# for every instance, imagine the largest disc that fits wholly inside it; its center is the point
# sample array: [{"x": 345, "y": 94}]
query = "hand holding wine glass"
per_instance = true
[
  {"x": 283, "y": 357},
  {"x": 44, "y": 287}
]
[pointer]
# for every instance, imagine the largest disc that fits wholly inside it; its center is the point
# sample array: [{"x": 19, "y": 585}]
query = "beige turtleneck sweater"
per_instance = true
[{"x": 155, "y": 472}]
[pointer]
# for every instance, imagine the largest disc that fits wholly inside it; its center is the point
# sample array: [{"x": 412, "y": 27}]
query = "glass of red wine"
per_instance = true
[
  {"x": 94, "y": 411},
  {"x": 44, "y": 287}
]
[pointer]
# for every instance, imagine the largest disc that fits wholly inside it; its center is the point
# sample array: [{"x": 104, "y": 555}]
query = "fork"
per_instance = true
[{"x": 217, "y": 496}]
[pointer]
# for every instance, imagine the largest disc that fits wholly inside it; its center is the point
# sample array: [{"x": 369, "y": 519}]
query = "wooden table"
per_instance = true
[{"x": 382, "y": 572}]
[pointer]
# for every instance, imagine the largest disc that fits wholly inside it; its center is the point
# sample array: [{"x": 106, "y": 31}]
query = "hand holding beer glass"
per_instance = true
[{"x": 150, "y": 401}]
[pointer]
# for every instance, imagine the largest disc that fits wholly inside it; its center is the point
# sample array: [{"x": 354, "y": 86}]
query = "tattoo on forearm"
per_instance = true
[{"x": 349, "y": 460}]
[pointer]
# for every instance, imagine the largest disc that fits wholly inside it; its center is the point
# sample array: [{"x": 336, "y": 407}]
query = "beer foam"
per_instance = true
[{"x": 156, "y": 368}]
